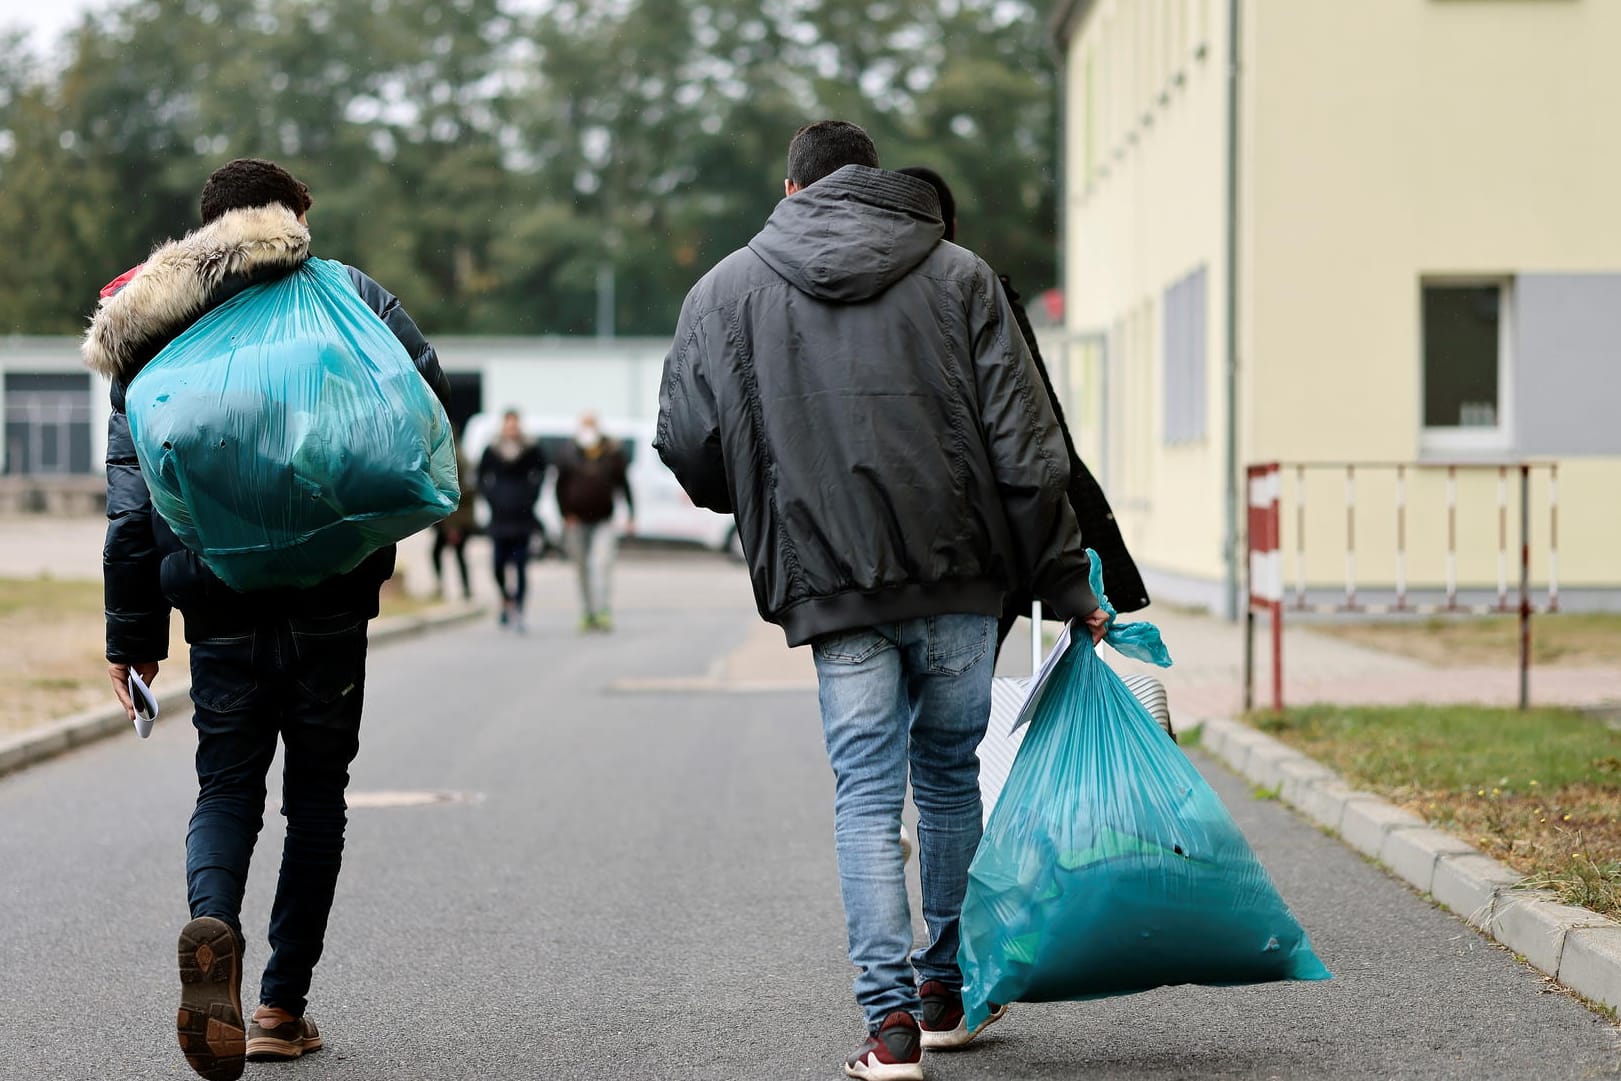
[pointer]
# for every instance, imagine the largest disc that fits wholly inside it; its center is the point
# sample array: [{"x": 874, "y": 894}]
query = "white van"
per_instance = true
[{"x": 663, "y": 511}]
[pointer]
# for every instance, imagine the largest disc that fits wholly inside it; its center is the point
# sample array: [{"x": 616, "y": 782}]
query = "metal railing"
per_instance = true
[{"x": 1266, "y": 591}]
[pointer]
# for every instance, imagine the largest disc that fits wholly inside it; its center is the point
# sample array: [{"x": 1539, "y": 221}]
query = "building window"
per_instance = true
[
  {"x": 1466, "y": 353},
  {"x": 47, "y": 423},
  {"x": 1185, "y": 360}
]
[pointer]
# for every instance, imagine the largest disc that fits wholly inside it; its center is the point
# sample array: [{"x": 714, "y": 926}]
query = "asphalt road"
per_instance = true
[{"x": 642, "y": 886}]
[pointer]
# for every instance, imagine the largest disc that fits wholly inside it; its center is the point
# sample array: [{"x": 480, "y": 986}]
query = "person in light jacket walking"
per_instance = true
[{"x": 590, "y": 473}]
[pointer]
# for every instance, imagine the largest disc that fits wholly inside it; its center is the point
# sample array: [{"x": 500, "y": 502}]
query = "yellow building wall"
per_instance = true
[
  {"x": 1390, "y": 140},
  {"x": 1144, "y": 208}
]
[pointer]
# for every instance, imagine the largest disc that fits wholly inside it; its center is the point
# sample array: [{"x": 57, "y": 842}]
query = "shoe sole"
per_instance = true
[
  {"x": 900, "y": 1071},
  {"x": 209, "y": 1020},
  {"x": 959, "y": 1037},
  {"x": 270, "y": 1049}
]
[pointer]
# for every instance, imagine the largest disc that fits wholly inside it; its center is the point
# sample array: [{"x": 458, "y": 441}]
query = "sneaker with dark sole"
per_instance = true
[
  {"x": 893, "y": 1053},
  {"x": 944, "y": 1026},
  {"x": 292, "y": 1038},
  {"x": 209, "y": 1021}
]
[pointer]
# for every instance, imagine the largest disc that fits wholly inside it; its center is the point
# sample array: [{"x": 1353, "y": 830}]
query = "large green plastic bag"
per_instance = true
[
  {"x": 286, "y": 435},
  {"x": 1109, "y": 866}
]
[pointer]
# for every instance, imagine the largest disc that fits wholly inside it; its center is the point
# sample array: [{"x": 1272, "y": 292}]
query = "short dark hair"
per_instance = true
[
  {"x": 948, "y": 204},
  {"x": 823, "y": 148},
  {"x": 251, "y": 182}
]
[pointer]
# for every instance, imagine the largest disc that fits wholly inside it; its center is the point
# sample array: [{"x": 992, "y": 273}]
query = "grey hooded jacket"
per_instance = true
[{"x": 856, "y": 391}]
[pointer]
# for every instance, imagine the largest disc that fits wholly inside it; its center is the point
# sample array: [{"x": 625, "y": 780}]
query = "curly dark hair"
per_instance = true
[{"x": 250, "y": 182}]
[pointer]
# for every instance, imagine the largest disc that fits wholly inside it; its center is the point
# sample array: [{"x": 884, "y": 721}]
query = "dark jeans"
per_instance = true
[
  {"x": 514, "y": 553},
  {"x": 303, "y": 680}
]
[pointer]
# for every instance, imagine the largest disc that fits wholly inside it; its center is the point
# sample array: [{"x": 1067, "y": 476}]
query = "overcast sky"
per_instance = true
[{"x": 46, "y": 18}]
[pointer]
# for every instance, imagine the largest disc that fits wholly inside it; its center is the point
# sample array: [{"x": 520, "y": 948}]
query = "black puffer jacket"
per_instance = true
[
  {"x": 146, "y": 570},
  {"x": 510, "y": 480},
  {"x": 858, "y": 393}
]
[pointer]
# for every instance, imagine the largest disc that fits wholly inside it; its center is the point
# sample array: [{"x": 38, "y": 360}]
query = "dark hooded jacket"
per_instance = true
[
  {"x": 146, "y": 570},
  {"x": 856, "y": 391}
]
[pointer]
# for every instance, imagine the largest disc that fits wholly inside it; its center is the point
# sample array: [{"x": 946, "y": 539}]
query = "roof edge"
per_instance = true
[{"x": 1065, "y": 16}]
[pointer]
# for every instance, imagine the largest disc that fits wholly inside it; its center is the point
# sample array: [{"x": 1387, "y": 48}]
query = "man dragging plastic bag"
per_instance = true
[{"x": 1108, "y": 865}]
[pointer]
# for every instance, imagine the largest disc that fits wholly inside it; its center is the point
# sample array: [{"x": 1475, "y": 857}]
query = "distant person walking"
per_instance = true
[
  {"x": 1121, "y": 579},
  {"x": 858, "y": 393},
  {"x": 451, "y": 533},
  {"x": 509, "y": 479},
  {"x": 590, "y": 473}
]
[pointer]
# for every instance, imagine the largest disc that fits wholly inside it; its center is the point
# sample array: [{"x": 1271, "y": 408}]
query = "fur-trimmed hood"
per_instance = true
[{"x": 185, "y": 278}]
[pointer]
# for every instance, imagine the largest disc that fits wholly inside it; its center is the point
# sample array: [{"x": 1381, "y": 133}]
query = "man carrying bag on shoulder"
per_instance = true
[{"x": 285, "y": 663}]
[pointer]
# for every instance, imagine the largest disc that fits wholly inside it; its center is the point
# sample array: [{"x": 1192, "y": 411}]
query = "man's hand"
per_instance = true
[
  {"x": 1097, "y": 625},
  {"x": 119, "y": 674}
]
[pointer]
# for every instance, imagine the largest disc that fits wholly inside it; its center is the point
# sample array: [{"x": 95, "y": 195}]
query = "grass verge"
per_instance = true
[
  {"x": 1539, "y": 790},
  {"x": 54, "y": 664},
  {"x": 1567, "y": 639}
]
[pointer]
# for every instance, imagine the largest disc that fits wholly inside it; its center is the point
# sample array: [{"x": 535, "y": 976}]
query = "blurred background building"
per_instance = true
[{"x": 1380, "y": 232}]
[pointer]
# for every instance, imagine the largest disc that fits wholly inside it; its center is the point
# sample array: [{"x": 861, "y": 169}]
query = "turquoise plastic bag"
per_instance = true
[
  {"x": 1109, "y": 866},
  {"x": 286, "y": 435}
]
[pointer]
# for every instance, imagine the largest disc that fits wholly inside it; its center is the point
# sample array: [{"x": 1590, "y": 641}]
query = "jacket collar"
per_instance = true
[
  {"x": 182, "y": 279},
  {"x": 851, "y": 235}
]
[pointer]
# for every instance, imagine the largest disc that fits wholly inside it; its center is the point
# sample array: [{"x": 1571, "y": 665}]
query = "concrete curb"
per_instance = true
[
  {"x": 57, "y": 737},
  {"x": 1576, "y": 946}
]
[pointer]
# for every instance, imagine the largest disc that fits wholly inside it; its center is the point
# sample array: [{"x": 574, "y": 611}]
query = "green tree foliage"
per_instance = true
[{"x": 493, "y": 160}]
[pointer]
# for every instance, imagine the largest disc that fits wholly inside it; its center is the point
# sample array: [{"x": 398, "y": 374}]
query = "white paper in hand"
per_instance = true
[
  {"x": 1038, "y": 685},
  {"x": 146, "y": 706}
]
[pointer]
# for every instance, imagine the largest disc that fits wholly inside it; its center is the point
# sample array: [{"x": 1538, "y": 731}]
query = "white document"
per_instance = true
[
  {"x": 1038, "y": 684},
  {"x": 146, "y": 706}
]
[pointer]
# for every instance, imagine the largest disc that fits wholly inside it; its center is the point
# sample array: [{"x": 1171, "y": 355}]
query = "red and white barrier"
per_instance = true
[
  {"x": 1266, "y": 586},
  {"x": 1265, "y": 489}
]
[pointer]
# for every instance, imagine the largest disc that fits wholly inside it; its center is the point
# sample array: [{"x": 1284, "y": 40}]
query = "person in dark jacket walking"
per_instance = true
[
  {"x": 1121, "y": 579},
  {"x": 857, "y": 393},
  {"x": 509, "y": 478},
  {"x": 287, "y": 662},
  {"x": 590, "y": 473}
]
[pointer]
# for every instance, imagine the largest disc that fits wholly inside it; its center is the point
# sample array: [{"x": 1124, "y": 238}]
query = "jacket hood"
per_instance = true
[
  {"x": 850, "y": 236},
  {"x": 182, "y": 278}
]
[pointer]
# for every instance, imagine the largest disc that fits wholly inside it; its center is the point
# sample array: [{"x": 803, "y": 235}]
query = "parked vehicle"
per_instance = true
[{"x": 663, "y": 510}]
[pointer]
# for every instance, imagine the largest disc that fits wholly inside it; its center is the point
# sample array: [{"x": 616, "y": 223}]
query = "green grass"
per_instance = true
[
  {"x": 1447, "y": 747},
  {"x": 1539, "y": 790},
  {"x": 45, "y": 596}
]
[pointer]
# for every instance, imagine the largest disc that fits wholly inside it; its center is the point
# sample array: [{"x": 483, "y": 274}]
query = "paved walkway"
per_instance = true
[
  {"x": 1206, "y": 681},
  {"x": 641, "y": 886},
  {"x": 1207, "y": 678}
]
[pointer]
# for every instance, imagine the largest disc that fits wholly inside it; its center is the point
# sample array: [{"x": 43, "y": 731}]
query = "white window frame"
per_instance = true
[{"x": 1497, "y": 440}]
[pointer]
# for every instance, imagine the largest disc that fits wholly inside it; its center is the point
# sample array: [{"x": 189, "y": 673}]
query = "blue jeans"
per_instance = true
[
  {"x": 913, "y": 693},
  {"x": 302, "y": 680}
]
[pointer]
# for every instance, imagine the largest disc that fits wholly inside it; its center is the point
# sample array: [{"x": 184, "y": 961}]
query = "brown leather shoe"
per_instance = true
[
  {"x": 209, "y": 1021},
  {"x": 274, "y": 1035}
]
